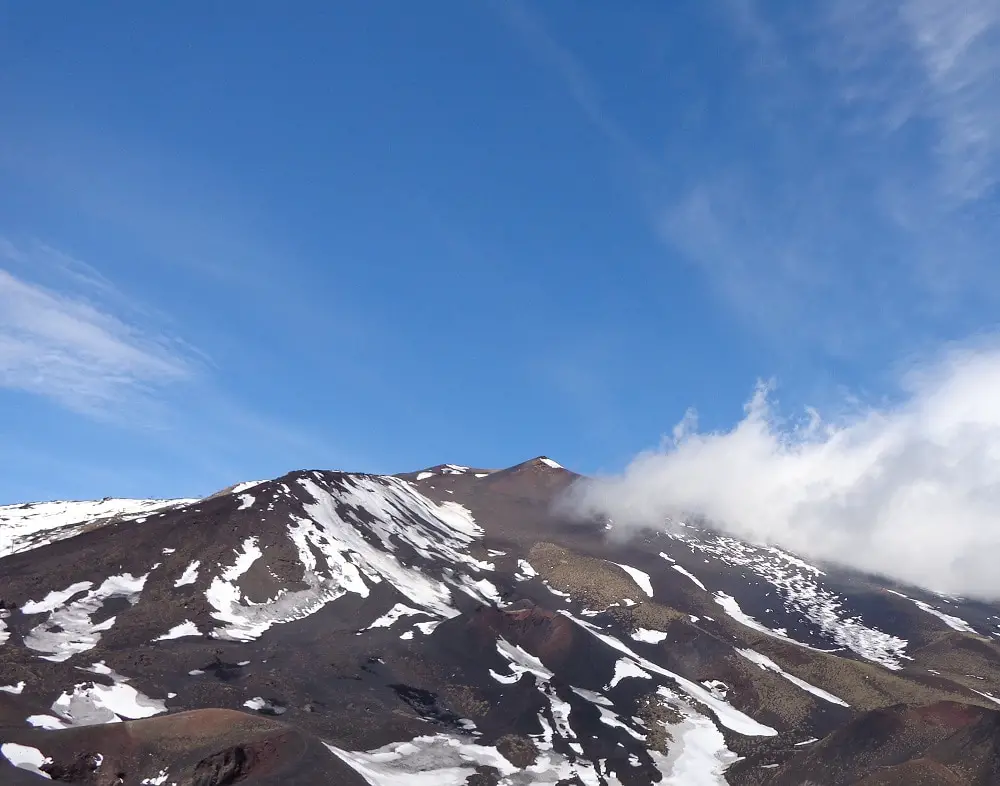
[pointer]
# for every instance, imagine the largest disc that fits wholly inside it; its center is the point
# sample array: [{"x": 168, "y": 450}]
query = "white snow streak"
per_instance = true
[
  {"x": 639, "y": 577},
  {"x": 394, "y": 614},
  {"x": 626, "y": 668},
  {"x": 728, "y": 716},
  {"x": 186, "y": 628},
  {"x": 698, "y": 755},
  {"x": 769, "y": 665},
  {"x": 955, "y": 623},
  {"x": 802, "y": 591},
  {"x": 691, "y": 576},
  {"x": 190, "y": 574}
]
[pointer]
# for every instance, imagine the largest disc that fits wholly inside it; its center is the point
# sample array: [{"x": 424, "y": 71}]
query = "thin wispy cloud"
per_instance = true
[
  {"x": 67, "y": 348},
  {"x": 865, "y": 213},
  {"x": 579, "y": 82},
  {"x": 876, "y": 140},
  {"x": 907, "y": 491},
  {"x": 922, "y": 62},
  {"x": 959, "y": 44}
]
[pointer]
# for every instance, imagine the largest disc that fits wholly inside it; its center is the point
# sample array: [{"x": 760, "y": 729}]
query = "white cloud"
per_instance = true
[
  {"x": 959, "y": 48},
  {"x": 915, "y": 61},
  {"x": 910, "y": 491},
  {"x": 60, "y": 346}
]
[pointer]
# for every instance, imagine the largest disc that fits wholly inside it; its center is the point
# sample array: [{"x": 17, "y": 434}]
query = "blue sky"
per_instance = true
[{"x": 239, "y": 241}]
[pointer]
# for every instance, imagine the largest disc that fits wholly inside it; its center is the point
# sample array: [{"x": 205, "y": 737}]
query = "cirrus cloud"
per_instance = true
[{"x": 59, "y": 345}]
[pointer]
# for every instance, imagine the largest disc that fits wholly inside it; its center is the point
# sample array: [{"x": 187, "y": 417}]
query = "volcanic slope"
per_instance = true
[{"x": 448, "y": 626}]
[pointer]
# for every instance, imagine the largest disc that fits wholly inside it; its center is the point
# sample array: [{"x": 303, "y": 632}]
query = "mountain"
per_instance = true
[{"x": 453, "y": 626}]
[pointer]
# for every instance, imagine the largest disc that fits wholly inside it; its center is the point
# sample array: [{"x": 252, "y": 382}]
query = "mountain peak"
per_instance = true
[
  {"x": 538, "y": 462},
  {"x": 424, "y": 628}
]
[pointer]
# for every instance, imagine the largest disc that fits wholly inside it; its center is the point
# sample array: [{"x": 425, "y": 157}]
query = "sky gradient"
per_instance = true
[{"x": 240, "y": 241}]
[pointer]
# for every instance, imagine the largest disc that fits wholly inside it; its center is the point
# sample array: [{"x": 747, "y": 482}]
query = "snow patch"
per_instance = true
[
  {"x": 639, "y": 577},
  {"x": 769, "y": 665},
  {"x": 355, "y": 527},
  {"x": 691, "y": 576},
  {"x": 525, "y": 571},
  {"x": 626, "y": 669},
  {"x": 263, "y": 705},
  {"x": 732, "y": 608},
  {"x": 92, "y": 703},
  {"x": 955, "y": 623},
  {"x": 392, "y": 615},
  {"x": 25, "y": 757},
  {"x": 69, "y": 628},
  {"x": 186, "y": 628},
  {"x": 698, "y": 755},
  {"x": 26, "y": 527},
  {"x": 800, "y": 587},
  {"x": 727, "y": 715},
  {"x": 45, "y": 722},
  {"x": 190, "y": 574}
]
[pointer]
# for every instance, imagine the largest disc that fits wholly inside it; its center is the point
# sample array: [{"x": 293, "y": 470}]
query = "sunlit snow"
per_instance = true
[
  {"x": 698, "y": 755},
  {"x": 802, "y": 591},
  {"x": 648, "y": 636},
  {"x": 25, "y": 757},
  {"x": 69, "y": 628},
  {"x": 28, "y": 526},
  {"x": 91, "y": 703},
  {"x": 394, "y": 614},
  {"x": 955, "y": 623},
  {"x": 190, "y": 574},
  {"x": 690, "y": 575},
  {"x": 186, "y": 628},
  {"x": 769, "y": 665},
  {"x": 728, "y": 715},
  {"x": 337, "y": 558},
  {"x": 639, "y": 577}
]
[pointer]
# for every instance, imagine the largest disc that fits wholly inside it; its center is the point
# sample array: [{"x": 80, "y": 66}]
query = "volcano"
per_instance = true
[{"x": 455, "y": 626}]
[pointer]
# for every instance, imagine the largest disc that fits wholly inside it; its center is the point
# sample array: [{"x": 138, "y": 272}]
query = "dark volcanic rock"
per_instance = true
[{"x": 463, "y": 623}]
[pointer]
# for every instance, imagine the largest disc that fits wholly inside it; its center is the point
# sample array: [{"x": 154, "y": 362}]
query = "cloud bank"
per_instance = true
[{"x": 910, "y": 491}]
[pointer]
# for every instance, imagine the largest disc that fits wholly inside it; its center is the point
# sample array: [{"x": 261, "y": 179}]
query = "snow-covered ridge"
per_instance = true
[
  {"x": 452, "y": 469},
  {"x": 460, "y": 469},
  {"x": 351, "y": 532},
  {"x": 801, "y": 589},
  {"x": 357, "y": 531},
  {"x": 34, "y": 524},
  {"x": 953, "y": 622}
]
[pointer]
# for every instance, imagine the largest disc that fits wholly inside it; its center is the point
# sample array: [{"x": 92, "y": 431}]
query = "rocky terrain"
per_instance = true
[{"x": 450, "y": 626}]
